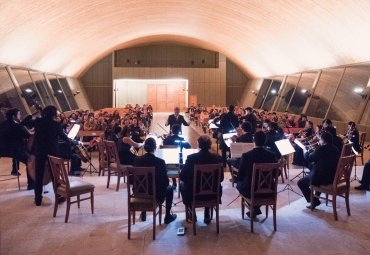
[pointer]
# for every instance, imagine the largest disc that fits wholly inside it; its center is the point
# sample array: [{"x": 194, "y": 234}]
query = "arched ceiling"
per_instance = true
[{"x": 263, "y": 37}]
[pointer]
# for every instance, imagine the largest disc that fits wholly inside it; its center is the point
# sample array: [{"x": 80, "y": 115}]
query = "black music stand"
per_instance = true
[
  {"x": 12, "y": 177},
  {"x": 90, "y": 165}
]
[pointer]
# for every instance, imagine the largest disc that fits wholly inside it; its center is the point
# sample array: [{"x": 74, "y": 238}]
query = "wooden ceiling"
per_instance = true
[{"x": 263, "y": 37}]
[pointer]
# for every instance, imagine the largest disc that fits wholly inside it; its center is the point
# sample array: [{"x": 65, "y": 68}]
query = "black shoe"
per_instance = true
[
  {"x": 15, "y": 173},
  {"x": 30, "y": 187},
  {"x": 207, "y": 219},
  {"x": 143, "y": 216},
  {"x": 255, "y": 215},
  {"x": 38, "y": 202},
  {"x": 169, "y": 218},
  {"x": 61, "y": 200},
  {"x": 362, "y": 187},
  {"x": 315, "y": 204}
]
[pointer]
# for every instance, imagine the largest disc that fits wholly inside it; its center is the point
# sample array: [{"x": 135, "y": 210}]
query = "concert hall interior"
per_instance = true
[{"x": 243, "y": 124}]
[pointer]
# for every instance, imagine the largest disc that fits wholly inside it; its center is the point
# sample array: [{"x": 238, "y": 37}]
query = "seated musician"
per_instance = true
[
  {"x": 365, "y": 180},
  {"x": 304, "y": 136},
  {"x": 163, "y": 189},
  {"x": 251, "y": 118},
  {"x": 258, "y": 155},
  {"x": 124, "y": 144},
  {"x": 354, "y": 136},
  {"x": 273, "y": 134},
  {"x": 337, "y": 141},
  {"x": 12, "y": 137},
  {"x": 247, "y": 136},
  {"x": 204, "y": 156},
  {"x": 136, "y": 131},
  {"x": 324, "y": 161}
]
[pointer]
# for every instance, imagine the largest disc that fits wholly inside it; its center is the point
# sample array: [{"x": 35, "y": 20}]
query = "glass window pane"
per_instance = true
[
  {"x": 8, "y": 95},
  {"x": 301, "y": 93},
  {"x": 261, "y": 94},
  {"x": 366, "y": 117},
  {"x": 347, "y": 101},
  {"x": 58, "y": 92},
  {"x": 272, "y": 93},
  {"x": 68, "y": 93},
  {"x": 29, "y": 90},
  {"x": 324, "y": 92},
  {"x": 288, "y": 91},
  {"x": 42, "y": 86}
]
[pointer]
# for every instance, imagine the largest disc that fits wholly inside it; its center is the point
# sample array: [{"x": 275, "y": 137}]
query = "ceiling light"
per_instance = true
[
  {"x": 28, "y": 90},
  {"x": 273, "y": 91},
  {"x": 304, "y": 91},
  {"x": 358, "y": 90}
]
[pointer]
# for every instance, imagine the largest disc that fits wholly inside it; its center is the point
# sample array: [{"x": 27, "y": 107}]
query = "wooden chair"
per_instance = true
[
  {"x": 143, "y": 196},
  {"x": 103, "y": 163},
  {"x": 241, "y": 148},
  {"x": 362, "y": 143},
  {"x": 206, "y": 187},
  {"x": 114, "y": 165},
  {"x": 68, "y": 189},
  {"x": 263, "y": 190},
  {"x": 340, "y": 186}
]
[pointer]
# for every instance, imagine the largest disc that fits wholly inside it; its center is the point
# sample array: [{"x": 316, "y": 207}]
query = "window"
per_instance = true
[
  {"x": 58, "y": 93},
  {"x": 324, "y": 92},
  {"x": 348, "y": 99},
  {"x": 68, "y": 93},
  {"x": 302, "y": 92},
  {"x": 272, "y": 93},
  {"x": 9, "y": 97},
  {"x": 29, "y": 91},
  {"x": 366, "y": 117},
  {"x": 42, "y": 87},
  {"x": 288, "y": 91},
  {"x": 261, "y": 94}
]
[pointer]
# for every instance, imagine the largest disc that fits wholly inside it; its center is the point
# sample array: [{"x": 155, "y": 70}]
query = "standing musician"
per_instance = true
[
  {"x": 353, "y": 136},
  {"x": 47, "y": 132},
  {"x": 324, "y": 160},
  {"x": 12, "y": 137},
  {"x": 251, "y": 118},
  {"x": 229, "y": 122},
  {"x": 176, "y": 118}
]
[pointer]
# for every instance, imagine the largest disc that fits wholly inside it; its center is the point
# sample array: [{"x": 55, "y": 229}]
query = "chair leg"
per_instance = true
[
  {"x": 92, "y": 201},
  {"x": 267, "y": 211},
  {"x": 274, "y": 213},
  {"x": 335, "y": 206},
  {"x": 362, "y": 156},
  {"x": 193, "y": 219},
  {"x": 243, "y": 208},
  {"x": 55, "y": 206},
  {"x": 118, "y": 180},
  {"x": 108, "y": 181},
  {"x": 285, "y": 171},
  {"x": 160, "y": 214},
  {"x": 211, "y": 212},
  {"x": 133, "y": 217},
  {"x": 217, "y": 218},
  {"x": 312, "y": 199},
  {"x": 326, "y": 199},
  {"x": 154, "y": 223},
  {"x": 78, "y": 201},
  {"x": 68, "y": 208},
  {"x": 129, "y": 225},
  {"x": 251, "y": 211},
  {"x": 347, "y": 203}
]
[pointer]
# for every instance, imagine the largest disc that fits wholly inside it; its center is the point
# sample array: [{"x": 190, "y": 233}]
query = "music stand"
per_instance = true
[
  {"x": 303, "y": 172},
  {"x": 285, "y": 148},
  {"x": 355, "y": 177}
]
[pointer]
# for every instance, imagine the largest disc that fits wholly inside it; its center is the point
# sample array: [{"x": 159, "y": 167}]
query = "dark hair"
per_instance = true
[
  {"x": 259, "y": 138},
  {"x": 331, "y": 130},
  {"x": 204, "y": 142},
  {"x": 231, "y": 108},
  {"x": 249, "y": 109},
  {"x": 176, "y": 128},
  {"x": 327, "y": 121},
  {"x": 327, "y": 137},
  {"x": 247, "y": 127},
  {"x": 150, "y": 145},
  {"x": 352, "y": 124},
  {"x": 49, "y": 112},
  {"x": 11, "y": 113}
]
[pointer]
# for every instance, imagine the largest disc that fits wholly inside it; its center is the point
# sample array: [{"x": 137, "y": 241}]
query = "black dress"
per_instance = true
[{"x": 126, "y": 157}]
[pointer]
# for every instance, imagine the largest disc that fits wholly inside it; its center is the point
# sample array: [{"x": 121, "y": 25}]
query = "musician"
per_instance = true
[
  {"x": 251, "y": 118},
  {"x": 12, "y": 137},
  {"x": 247, "y": 136},
  {"x": 136, "y": 131},
  {"x": 337, "y": 141},
  {"x": 175, "y": 139},
  {"x": 176, "y": 118},
  {"x": 354, "y": 136},
  {"x": 305, "y": 137},
  {"x": 124, "y": 144},
  {"x": 47, "y": 132},
  {"x": 365, "y": 180},
  {"x": 204, "y": 156},
  {"x": 302, "y": 121},
  {"x": 273, "y": 134},
  {"x": 163, "y": 189},
  {"x": 258, "y": 155},
  {"x": 324, "y": 161},
  {"x": 229, "y": 122}
]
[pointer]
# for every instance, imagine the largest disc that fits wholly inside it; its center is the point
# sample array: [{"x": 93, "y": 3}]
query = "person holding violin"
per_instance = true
[
  {"x": 354, "y": 136},
  {"x": 176, "y": 118},
  {"x": 124, "y": 144}
]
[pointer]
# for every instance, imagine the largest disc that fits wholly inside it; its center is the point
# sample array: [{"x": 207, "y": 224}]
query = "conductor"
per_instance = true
[{"x": 176, "y": 118}]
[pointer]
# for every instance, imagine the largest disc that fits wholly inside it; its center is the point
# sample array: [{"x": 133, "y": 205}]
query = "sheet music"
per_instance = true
[
  {"x": 213, "y": 126},
  {"x": 74, "y": 131},
  {"x": 297, "y": 142},
  {"x": 227, "y": 138},
  {"x": 238, "y": 149},
  {"x": 285, "y": 147}
]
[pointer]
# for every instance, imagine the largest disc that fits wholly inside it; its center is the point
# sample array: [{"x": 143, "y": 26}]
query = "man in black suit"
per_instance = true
[
  {"x": 247, "y": 136},
  {"x": 251, "y": 118},
  {"x": 324, "y": 164},
  {"x": 163, "y": 190},
  {"x": 176, "y": 118},
  {"x": 258, "y": 155},
  {"x": 47, "y": 133},
  {"x": 12, "y": 137},
  {"x": 204, "y": 156},
  {"x": 229, "y": 122},
  {"x": 365, "y": 180}
]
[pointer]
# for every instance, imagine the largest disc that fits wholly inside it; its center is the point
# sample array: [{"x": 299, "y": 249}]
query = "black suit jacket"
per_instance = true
[
  {"x": 171, "y": 140},
  {"x": 186, "y": 176},
  {"x": 257, "y": 155},
  {"x": 251, "y": 118},
  {"x": 172, "y": 120},
  {"x": 245, "y": 138},
  {"x": 324, "y": 161},
  {"x": 12, "y": 137},
  {"x": 229, "y": 121},
  {"x": 161, "y": 179}
]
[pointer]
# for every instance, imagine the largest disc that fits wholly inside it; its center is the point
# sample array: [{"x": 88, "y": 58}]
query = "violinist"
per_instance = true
[
  {"x": 353, "y": 136},
  {"x": 137, "y": 132},
  {"x": 251, "y": 118},
  {"x": 337, "y": 141},
  {"x": 273, "y": 134},
  {"x": 324, "y": 160},
  {"x": 124, "y": 144},
  {"x": 304, "y": 136},
  {"x": 247, "y": 136}
]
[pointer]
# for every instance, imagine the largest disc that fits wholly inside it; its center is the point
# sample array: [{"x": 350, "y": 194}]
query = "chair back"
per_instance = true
[
  {"x": 60, "y": 175},
  {"x": 265, "y": 180},
  {"x": 206, "y": 180},
  {"x": 343, "y": 172},
  {"x": 142, "y": 180},
  {"x": 362, "y": 140},
  {"x": 168, "y": 146},
  {"x": 112, "y": 153},
  {"x": 346, "y": 150},
  {"x": 102, "y": 154}
]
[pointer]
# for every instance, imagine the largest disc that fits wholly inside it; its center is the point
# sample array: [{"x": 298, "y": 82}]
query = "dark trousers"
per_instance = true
[
  {"x": 365, "y": 180},
  {"x": 169, "y": 199},
  {"x": 304, "y": 185},
  {"x": 75, "y": 163},
  {"x": 22, "y": 157},
  {"x": 224, "y": 150},
  {"x": 40, "y": 169}
]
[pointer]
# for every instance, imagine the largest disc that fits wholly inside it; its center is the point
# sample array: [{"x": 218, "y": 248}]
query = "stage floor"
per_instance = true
[{"x": 27, "y": 229}]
